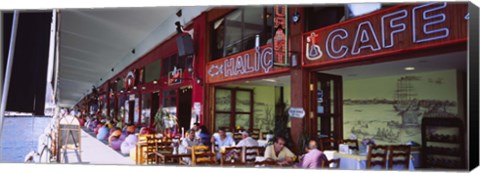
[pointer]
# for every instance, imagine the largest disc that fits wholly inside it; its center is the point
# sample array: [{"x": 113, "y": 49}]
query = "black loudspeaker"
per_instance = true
[{"x": 184, "y": 44}]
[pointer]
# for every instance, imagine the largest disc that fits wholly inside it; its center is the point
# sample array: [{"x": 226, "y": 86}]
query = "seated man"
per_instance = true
[
  {"x": 313, "y": 158},
  {"x": 187, "y": 143},
  {"x": 102, "y": 134},
  {"x": 278, "y": 152},
  {"x": 130, "y": 141},
  {"x": 222, "y": 140},
  {"x": 114, "y": 140},
  {"x": 247, "y": 141}
]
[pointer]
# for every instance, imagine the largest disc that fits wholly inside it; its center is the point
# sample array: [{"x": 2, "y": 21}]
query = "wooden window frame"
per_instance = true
[{"x": 233, "y": 111}]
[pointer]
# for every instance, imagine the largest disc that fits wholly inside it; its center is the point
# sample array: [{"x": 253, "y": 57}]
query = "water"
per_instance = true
[{"x": 20, "y": 136}]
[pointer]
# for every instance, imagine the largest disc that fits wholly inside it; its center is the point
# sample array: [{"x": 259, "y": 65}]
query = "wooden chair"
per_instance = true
[
  {"x": 326, "y": 164},
  {"x": 255, "y": 134},
  {"x": 377, "y": 155},
  {"x": 202, "y": 155},
  {"x": 237, "y": 137},
  {"x": 352, "y": 143},
  {"x": 238, "y": 151},
  {"x": 149, "y": 154},
  {"x": 251, "y": 153},
  {"x": 328, "y": 144},
  {"x": 399, "y": 155}
]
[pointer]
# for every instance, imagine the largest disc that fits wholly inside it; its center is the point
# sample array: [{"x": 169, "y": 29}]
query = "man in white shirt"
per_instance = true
[
  {"x": 187, "y": 143},
  {"x": 247, "y": 141}
]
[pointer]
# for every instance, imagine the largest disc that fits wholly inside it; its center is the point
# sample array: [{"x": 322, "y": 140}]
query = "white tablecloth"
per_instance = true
[{"x": 358, "y": 162}]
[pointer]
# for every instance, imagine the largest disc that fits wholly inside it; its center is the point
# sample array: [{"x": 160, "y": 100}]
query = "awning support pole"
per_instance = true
[{"x": 8, "y": 72}]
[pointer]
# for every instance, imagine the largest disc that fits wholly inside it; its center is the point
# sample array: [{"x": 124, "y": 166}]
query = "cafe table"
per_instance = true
[
  {"x": 357, "y": 161},
  {"x": 164, "y": 158}
]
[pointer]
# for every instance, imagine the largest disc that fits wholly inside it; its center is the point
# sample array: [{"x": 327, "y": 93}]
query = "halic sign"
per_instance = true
[{"x": 397, "y": 28}]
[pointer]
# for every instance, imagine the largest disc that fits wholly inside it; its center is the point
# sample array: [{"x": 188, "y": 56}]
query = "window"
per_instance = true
[
  {"x": 233, "y": 108},
  {"x": 169, "y": 98},
  {"x": 236, "y": 31},
  {"x": 146, "y": 105},
  {"x": 359, "y": 9},
  {"x": 152, "y": 71},
  {"x": 322, "y": 16},
  {"x": 174, "y": 60}
]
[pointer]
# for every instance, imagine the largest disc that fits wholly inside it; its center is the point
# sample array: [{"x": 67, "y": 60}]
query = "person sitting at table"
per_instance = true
[
  {"x": 247, "y": 141},
  {"x": 130, "y": 141},
  {"x": 114, "y": 140},
  {"x": 222, "y": 140},
  {"x": 278, "y": 152},
  {"x": 204, "y": 136},
  {"x": 313, "y": 158},
  {"x": 103, "y": 133},
  {"x": 196, "y": 129},
  {"x": 187, "y": 143}
]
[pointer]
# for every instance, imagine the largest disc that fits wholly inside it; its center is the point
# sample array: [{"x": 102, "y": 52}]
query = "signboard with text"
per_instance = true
[
  {"x": 388, "y": 31},
  {"x": 254, "y": 62}
]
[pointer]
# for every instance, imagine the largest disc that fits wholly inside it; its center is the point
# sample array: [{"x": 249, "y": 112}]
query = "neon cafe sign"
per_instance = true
[
  {"x": 262, "y": 60},
  {"x": 426, "y": 22}
]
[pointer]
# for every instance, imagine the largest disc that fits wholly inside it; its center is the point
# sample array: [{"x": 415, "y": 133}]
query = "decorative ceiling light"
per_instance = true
[
  {"x": 155, "y": 82},
  {"x": 143, "y": 88},
  {"x": 134, "y": 87},
  {"x": 409, "y": 68}
]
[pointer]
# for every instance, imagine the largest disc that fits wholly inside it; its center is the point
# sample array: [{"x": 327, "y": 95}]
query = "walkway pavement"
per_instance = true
[{"x": 95, "y": 152}]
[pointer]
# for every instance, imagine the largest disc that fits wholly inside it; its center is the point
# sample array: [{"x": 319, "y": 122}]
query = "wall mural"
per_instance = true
[{"x": 393, "y": 113}]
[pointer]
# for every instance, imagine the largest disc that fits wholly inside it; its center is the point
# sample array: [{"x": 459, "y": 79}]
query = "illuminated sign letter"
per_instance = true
[
  {"x": 331, "y": 51},
  {"x": 229, "y": 66},
  {"x": 387, "y": 41},
  {"x": 367, "y": 34},
  {"x": 432, "y": 17}
]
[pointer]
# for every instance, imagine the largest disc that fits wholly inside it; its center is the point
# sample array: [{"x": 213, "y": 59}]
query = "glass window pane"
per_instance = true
[
  {"x": 320, "y": 97},
  {"x": 253, "y": 22},
  {"x": 243, "y": 101},
  {"x": 242, "y": 121},
  {"x": 332, "y": 97},
  {"x": 233, "y": 26},
  {"x": 223, "y": 100},
  {"x": 146, "y": 104},
  {"x": 221, "y": 120},
  {"x": 152, "y": 71},
  {"x": 137, "y": 110}
]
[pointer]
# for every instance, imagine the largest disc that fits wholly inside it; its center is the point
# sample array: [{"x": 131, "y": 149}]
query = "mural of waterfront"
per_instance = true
[{"x": 390, "y": 109}]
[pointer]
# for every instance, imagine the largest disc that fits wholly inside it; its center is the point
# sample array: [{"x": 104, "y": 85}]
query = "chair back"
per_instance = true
[
  {"x": 252, "y": 152},
  {"x": 399, "y": 155},
  {"x": 150, "y": 149},
  {"x": 231, "y": 156},
  {"x": 328, "y": 163},
  {"x": 237, "y": 137},
  {"x": 377, "y": 155},
  {"x": 202, "y": 155},
  {"x": 255, "y": 134},
  {"x": 328, "y": 144},
  {"x": 352, "y": 143}
]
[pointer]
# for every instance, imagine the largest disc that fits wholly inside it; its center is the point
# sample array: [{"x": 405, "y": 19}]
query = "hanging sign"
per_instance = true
[
  {"x": 129, "y": 80},
  {"x": 296, "y": 112},
  {"x": 404, "y": 27},
  {"x": 248, "y": 63},
  {"x": 175, "y": 76},
  {"x": 280, "y": 35}
]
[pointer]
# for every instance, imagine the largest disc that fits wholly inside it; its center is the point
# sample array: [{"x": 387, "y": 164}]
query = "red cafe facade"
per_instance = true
[
  {"x": 249, "y": 59},
  {"x": 320, "y": 59}
]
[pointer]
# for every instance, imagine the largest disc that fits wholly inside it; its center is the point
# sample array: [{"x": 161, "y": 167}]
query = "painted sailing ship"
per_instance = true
[{"x": 404, "y": 96}]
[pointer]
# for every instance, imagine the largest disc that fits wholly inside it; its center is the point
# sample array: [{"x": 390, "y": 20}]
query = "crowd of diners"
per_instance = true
[{"x": 124, "y": 137}]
